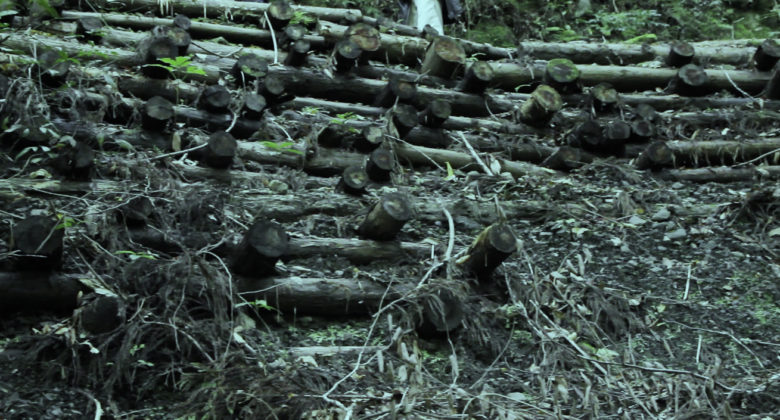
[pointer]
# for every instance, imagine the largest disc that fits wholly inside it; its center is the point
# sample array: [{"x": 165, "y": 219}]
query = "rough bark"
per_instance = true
[
  {"x": 36, "y": 292},
  {"x": 319, "y": 296},
  {"x": 218, "y": 8},
  {"x": 723, "y": 174},
  {"x": 199, "y": 30},
  {"x": 510, "y": 75}
]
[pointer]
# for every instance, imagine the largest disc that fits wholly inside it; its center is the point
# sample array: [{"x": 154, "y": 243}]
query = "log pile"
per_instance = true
[{"x": 359, "y": 114}]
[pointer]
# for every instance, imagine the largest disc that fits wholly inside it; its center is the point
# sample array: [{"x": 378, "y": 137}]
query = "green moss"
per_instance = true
[{"x": 493, "y": 33}]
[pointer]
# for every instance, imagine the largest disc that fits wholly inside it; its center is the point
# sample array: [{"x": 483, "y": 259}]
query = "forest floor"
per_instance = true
[{"x": 629, "y": 295}]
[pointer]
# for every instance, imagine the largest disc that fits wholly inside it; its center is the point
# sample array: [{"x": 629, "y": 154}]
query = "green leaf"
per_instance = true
[
  {"x": 196, "y": 70},
  {"x": 642, "y": 39}
]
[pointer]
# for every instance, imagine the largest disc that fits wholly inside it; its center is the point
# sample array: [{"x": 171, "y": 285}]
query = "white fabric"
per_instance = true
[{"x": 427, "y": 12}]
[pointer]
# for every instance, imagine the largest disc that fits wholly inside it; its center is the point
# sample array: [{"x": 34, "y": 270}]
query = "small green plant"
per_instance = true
[
  {"x": 136, "y": 255},
  {"x": 65, "y": 221},
  {"x": 301, "y": 18},
  {"x": 284, "y": 147},
  {"x": 310, "y": 110},
  {"x": 343, "y": 118},
  {"x": 179, "y": 65}
]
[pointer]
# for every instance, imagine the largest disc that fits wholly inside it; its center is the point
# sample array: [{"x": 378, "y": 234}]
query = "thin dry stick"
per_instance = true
[
  {"x": 273, "y": 38},
  {"x": 475, "y": 155}
]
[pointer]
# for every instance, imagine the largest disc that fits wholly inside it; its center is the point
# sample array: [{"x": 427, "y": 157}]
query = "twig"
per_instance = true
[
  {"x": 475, "y": 155},
  {"x": 180, "y": 152},
  {"x": 273, "y": 38}
]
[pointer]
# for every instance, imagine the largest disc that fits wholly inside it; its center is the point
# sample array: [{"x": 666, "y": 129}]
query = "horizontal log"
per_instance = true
[
  {"x": 199, "y": 30},
  {"x": 407, "y": 48},
  {"x": 320, "y": 296},
  {"x": 219, "y": 8},
  {"x": 356, "y": 251},
  {"x": 715, "y": 152},
  {"x": 510, "y": 75},
  {"x": 723, "y": 174},
  {"x": 38, "y": 292}
]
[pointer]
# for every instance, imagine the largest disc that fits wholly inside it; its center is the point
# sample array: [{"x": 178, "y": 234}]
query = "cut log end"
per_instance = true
[
  {"x": 541, "y": 106},
  {"x": 478, "y": 77},
  {"x": 157, "y": 112},
  {"x": 604, "y": 97},
  {"x": 767, "y": 54},
  {"x": 370, "y": 139},
  {"x": 354, "y": 180},
  {"x": 220, "y": 150},
  {"x": 386, "y": 217},
  {"x": 215, "y": 98},
  {"x": 691, "y": 81},
  {"x": 436, "y": 113},
  {"x": 443, "y": 58},
  {"x": 657, "y": 155},
  {"x": 680, "y": 54},
  {"x": 380, "y": 165},
  {"x": 563, "y": 75},
  {"x": 564, "y": 159},
  {"x": 345, "y": 55},
  {"x": 365, "y": 36},
  {"x": 39, "y": 240},
  {"x": 263, "y": 244},
  {"x": 279, "y": 14},
  {"x": 249, "y": 67},
  {"x": 491, "y": 247},
  {"x": 404, "y": 118}
]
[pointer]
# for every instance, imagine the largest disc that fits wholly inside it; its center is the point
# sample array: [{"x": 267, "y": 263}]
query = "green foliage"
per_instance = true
[
  {"x": 627, "y": 24},
  {"x": 136, "y": 255},
  {"x": 178, "y": 65},
  {"x": 65, "y": 222},
  {"x": 285, "y": 147},
  {"x": 491, "y": 32},
  {"x": 302, "y": 18}
]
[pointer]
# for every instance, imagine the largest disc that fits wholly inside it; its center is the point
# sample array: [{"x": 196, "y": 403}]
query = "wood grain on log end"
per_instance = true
[
  {"x": 691, "y": 81},
  {"x": 680, "y": 54},
  {"x": 379, "y": 165},
  {"x": 354, "y": 180},
  {"x": 563, "y": 75},
  {"x": 39, "y": 240},
  {"x": 215, "y": 98},
  {"x": 489, "y": 249},
  {"x": 345, "y": 55},
  {"x": 386, "y": 217},
  {"x": 263, "y": 244},
  {"x": 248, "y": 68},
  {"x": 404, "y": 118},
  {"x": 156, "y": 114},
  {"x": 478, "y": 77},
  {"x": 604, "y": 97},
  {"x": 444, "y": 57},
  {"x": 436, "y": 113},
  {"x": 656, "y": 155},
  {"x": 539, "y": 109},
  {"x": 220, "y": 150}
]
